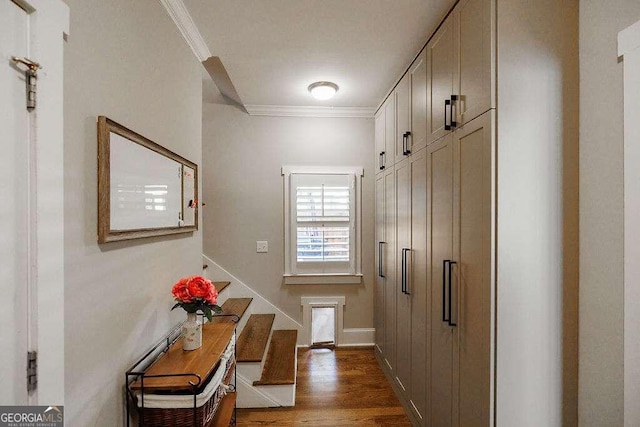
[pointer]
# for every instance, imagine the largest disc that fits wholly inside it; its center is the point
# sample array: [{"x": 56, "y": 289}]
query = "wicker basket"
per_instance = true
[{"x": 184, "y": 417}]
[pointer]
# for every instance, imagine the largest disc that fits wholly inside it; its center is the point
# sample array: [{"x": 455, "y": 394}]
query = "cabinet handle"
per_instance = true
[
  {"x": 380, "y": 259},
  {"x": 381, "y": 160},
  {"x": 447, "y": 103},
  {"x": 403, "y": 274},
  {"x": 407, "y": 151},
  {"x": 405, "y": 143},
  {"x": 451, "y": 323},
  {"x": 454, "y": 98},
  {"x": 405, "y": 269},
  {"x": 444, "y": 290}
]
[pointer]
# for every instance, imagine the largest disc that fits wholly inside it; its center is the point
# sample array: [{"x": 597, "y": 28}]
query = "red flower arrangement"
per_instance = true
[{"x": 194, "y": 294}]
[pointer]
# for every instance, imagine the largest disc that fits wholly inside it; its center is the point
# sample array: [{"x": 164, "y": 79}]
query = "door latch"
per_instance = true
[{"x": 31, "y": 77}]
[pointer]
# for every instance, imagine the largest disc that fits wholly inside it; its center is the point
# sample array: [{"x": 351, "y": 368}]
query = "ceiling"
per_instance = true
[{"x": 273, "y": 49}]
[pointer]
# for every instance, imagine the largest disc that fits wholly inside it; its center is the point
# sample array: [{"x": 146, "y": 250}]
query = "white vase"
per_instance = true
[{"x": 191, "y": 333}]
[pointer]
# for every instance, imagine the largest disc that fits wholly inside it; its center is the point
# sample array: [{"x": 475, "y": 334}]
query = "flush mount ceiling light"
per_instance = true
[{"x": 323, "y": 90}]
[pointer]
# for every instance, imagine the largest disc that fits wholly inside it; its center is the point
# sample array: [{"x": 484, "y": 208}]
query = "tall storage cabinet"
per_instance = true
[
  {"x": 411, "y": 281},
  {"x": 379, "y": 297},
  {"x": 484, "y": 253},
  {"x": 385, "y": 292},
  {"x": 440, "y": 335},
  {"x": 460, "y": 226},
  {"x": 401, "y": 292}
]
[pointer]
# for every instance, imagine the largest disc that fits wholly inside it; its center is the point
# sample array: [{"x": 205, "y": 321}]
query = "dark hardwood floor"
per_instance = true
[{"x": 341, "y": 387}]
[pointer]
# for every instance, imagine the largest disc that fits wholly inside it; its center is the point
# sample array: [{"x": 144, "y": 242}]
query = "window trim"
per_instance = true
[{"x": 322, "y": 278}]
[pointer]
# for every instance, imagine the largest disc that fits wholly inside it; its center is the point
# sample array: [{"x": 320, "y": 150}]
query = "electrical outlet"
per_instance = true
[{"x": 262, "y": 246}]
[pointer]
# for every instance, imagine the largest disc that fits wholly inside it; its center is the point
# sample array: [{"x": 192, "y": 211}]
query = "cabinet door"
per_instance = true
[
  {"x": 475, "y": 52},
  {"x": 418, "y": 74},
  {"x": 389, "y": 268},
  {"x": 472, "y": 275},
  {"x": 403, "y": 117},
  {"x": 380, "y": 280},
  {"x": 440, "y": 157},
  {"x": 403, "y": 299},
  {"x": 379, "y": 140},
  {"x": 441, "y": 79},
  {"x": 417, "y": 284},
  {"x": 390, "y": 131}
]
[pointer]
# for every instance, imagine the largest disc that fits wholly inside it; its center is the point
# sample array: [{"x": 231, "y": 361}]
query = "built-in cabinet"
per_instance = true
[
  {"x": 400, "y": 124},
  {"x": 401, "y": 200},
  {"x": 385, "y": 261},
  {"x": 411, "y": 279},
  {"x": 402, "y": 95},
  {"x": 460, "y": 68},
  {"x": 418, "y": 111},
  {"x": 385, "y": 130},
  {"x": 459, "y": 230},
  {"x": 434, "y": 225},
  {"x": 477, "y": 261}
]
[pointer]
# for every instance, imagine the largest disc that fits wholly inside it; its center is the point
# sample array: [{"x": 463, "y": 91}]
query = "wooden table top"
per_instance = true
[{"x": 203, "y": 361}]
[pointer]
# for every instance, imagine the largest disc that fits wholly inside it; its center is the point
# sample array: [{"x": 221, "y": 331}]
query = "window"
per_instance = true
[{"x": 322, "y": 235}]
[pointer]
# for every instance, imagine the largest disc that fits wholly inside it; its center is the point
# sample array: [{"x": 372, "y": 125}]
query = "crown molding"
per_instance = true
[
  {"x": 307, "y": 111},
  {"x": 181, "y": 17}
]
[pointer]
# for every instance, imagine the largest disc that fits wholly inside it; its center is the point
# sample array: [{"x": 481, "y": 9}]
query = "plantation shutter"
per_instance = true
[{"x": 323, "y": 226}]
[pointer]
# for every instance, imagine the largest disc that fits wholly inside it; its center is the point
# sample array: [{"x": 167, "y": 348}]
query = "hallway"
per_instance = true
[{"x": 344, "y": 387}]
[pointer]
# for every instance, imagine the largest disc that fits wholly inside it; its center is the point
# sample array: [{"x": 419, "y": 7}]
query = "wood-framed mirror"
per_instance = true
[{"x": 144, "y": 189}]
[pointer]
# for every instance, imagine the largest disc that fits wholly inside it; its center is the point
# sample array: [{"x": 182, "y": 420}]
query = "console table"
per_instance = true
[{"x": 170, "y": 386}]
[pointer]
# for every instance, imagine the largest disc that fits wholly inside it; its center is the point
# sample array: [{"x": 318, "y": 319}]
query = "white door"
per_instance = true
[{"x": 14, "y": 211}]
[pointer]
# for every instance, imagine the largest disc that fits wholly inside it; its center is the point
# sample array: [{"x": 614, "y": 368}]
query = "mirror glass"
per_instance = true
[{"x": 143, "y": 189}]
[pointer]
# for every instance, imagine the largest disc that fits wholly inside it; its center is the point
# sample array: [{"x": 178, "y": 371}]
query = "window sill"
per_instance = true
[{"x": 322, "y": 279}]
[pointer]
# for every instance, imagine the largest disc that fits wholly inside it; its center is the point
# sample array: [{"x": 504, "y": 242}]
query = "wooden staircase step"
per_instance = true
[
  {"x": 233, "y": 306},
  {"x": 254, "y": 337},
  {"x": 220, "y": 286},
  {"x": 280, "y": 366}
]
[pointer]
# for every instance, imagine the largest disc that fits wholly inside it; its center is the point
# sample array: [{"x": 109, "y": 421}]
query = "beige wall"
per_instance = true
[
  {"x": 601, "y": 214},
  {"x": 537, "y": 228},
  {"x": 243, "y": 190},
  {"x": 126, "y": 60}
]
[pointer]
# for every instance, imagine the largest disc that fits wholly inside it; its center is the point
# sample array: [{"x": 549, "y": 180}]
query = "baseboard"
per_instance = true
[{"x": 358, "y": 337}]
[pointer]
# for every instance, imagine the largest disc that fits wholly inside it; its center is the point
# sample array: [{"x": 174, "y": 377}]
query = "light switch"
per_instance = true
[{"x": 262, "y": 246}]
